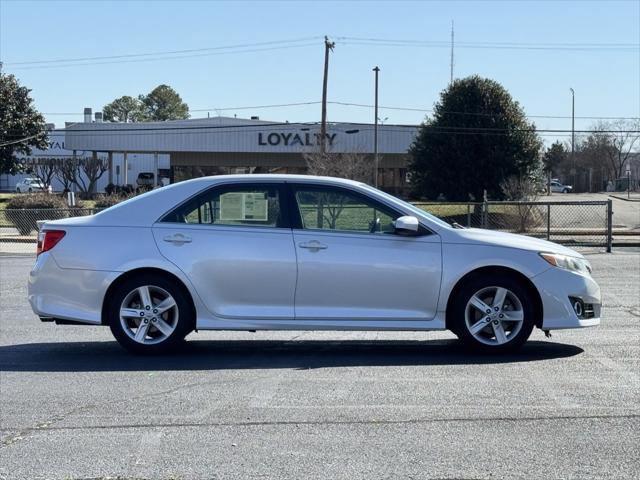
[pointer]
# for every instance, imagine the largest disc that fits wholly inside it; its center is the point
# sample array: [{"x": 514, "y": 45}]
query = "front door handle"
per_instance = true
[
  {"x": 313, "y": 245},
  {"x": 177, "y": 239}
]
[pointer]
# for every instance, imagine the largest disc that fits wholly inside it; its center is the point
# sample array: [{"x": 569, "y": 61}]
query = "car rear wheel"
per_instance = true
[
  {"x": 149, "y": 314},
  {"x": 493, "y": 313}
]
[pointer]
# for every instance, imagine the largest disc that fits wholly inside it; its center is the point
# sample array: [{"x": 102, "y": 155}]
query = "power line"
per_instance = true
[
  {"x": 166, "y": 52},
  {"x": 139, "y": 128},
  {"x": 424, "y": 110},
  {"x": 13, "y": 142},
  {"x": 488, "y": 45},
  {"x": 363, "y": 105},
  {"x": 140, "y": 60},
  {"x": 213, "y": 109},
  {"x": 277, "y": 105},
  {"x": 361, "y": 127},
  {"x": 305, "y": 42}
]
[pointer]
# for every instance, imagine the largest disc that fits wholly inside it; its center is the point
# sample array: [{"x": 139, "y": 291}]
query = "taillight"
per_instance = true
[{"x": 48, "y": 239}]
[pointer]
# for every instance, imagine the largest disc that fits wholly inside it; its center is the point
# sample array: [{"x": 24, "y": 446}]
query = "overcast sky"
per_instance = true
[{"x": 537, "y": 50}]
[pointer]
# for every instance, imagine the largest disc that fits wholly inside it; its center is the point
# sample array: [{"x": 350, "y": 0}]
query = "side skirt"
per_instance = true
[{"x": 437, "y": 323}]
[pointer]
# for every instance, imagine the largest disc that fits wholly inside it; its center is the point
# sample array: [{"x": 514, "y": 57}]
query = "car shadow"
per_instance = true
[{"x": 263, "y": 354}]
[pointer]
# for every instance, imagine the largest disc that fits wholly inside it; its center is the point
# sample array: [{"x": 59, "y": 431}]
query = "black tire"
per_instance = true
[
  {"x": 457, "y": 319},
  {"x": 30, "y": 190},
  {"x": 184, "y": 320},
  {"x": 565, "y": 191}
]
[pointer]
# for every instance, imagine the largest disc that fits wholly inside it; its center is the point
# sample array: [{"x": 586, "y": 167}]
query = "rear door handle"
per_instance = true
[
  {"x": 177, "y": 239},
  {"x": 313, "y": 245}
]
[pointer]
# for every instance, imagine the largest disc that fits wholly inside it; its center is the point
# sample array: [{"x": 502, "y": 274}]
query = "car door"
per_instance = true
[
  {"x": 234, "y": 243},
  {"x": 352, "y": 265}
]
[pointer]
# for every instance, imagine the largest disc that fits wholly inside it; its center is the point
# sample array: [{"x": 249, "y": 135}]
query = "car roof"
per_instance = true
[{"x": 283, "y": 177}]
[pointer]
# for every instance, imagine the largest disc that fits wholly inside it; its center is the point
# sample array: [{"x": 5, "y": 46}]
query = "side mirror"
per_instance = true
[{"x": 406, "y": 224}]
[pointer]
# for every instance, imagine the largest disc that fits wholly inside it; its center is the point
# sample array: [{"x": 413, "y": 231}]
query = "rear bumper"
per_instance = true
[
  {"x": 66, "y": 294},
  {"x": 556, "y": 286}
]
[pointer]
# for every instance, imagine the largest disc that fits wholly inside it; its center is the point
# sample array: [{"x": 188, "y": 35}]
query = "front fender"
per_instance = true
[{"x": 460, "y": 259}]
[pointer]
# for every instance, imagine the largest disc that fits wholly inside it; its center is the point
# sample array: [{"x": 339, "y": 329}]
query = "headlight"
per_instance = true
[{"x": 573, "y": 264}]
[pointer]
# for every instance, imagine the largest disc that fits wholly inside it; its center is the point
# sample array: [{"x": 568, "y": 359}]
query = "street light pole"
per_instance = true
[
  {"x": 375, "y": 133},
  {"x": 573, "y": 135}
]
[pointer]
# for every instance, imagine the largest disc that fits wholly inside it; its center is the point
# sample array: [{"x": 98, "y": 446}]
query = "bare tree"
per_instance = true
[
  {"x": 354, "y": 166},
  {"x": 523, "y": 190},
  {"x": 610, "y": 146},
  {"x": 44, "y": 169},
  {"x": 93, "y": 169},
  {"x": 66, "y": 173},
  {"x": 625, "y": 140},
  {"x": 84, "y": 173}
]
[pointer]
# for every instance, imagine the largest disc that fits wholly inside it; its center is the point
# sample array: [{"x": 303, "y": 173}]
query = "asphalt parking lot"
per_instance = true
[{"x": 322, "y": 405}]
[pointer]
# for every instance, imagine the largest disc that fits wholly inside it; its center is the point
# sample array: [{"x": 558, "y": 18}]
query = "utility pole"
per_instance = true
[
  {"x": 328, "y": 46},
  {"x": 573, "y": 135},
  {"x": 451, "y": 63},
  {"x": 375, "y": 134}
]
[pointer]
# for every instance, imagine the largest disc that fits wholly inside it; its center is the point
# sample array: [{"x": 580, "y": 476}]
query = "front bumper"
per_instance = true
[{"x": 556, "y": 286}]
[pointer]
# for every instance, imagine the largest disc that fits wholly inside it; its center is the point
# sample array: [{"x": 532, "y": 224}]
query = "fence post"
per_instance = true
[
  {"x": 609, "y": 225},
  {"x": 468, "y": 215},
  {"x": 485, "y": 214},
  {"x": 485, "y": 208},
  {"x": 548, "y": 221}
]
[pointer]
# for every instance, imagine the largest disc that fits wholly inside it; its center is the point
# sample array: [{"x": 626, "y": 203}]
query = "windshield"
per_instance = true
[{"x": 417, "y": 211}]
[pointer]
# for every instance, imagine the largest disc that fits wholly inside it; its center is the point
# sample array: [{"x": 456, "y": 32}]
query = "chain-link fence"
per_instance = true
[
  {"x": 570, "y": 223},
  {"x": 19, "y": 227}
]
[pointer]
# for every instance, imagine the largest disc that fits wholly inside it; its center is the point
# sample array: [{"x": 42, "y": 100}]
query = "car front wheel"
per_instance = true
[
  {"x": 149, "y": 314},
  {"x": 493, "y": 313}
]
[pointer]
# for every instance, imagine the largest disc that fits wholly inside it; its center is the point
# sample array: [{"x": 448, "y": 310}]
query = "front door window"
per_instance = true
[{"x": 336, "y": 209}]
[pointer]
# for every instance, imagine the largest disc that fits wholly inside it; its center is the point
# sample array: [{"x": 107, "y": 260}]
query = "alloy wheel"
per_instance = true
[
  {"x": 149, "y": 314},
  {"x": 494, "y": 315}
]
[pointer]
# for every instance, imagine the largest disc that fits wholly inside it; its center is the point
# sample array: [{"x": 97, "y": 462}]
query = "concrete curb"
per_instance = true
[{"x": 625, "y": 199}]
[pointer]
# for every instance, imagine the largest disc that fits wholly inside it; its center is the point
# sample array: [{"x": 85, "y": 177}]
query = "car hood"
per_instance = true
[{"x": 479, "y": 236}]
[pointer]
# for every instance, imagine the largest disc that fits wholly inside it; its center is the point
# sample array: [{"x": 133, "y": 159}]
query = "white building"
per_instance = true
[
  {"x": 58, "y": 150},
  {"x": 183, "y": 149},
  {"x": 210, "y": 146}
]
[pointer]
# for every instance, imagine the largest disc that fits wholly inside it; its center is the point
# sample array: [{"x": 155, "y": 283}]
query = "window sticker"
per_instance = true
[
  {"x": 255, "y": 206},
  {"x": 243, "y": 206}
]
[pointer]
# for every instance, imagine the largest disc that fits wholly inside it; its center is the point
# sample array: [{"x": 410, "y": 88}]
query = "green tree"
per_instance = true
[
  {"x": 163, "y": 103},
  {"x": 22, "y": 127},
  {"x": 555, "y": 156},
  {"x": 477, "y": 137},
  {"x": 124, "y": 109}
]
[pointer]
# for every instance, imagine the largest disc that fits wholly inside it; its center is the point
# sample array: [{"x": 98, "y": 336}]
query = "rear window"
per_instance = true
[{"x": 246, "y": 205}]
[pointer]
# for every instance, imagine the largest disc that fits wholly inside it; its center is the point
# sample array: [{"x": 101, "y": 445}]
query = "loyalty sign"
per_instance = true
[{"x": 292, "y": 139}]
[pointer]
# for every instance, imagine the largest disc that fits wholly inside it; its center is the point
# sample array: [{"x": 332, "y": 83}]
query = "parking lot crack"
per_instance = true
[
  {"x": 50, "y": 423},
  {"x": 416, "y": 421}
]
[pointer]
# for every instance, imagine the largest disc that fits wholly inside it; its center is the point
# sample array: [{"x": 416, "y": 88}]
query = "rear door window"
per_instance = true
[{"x": 249, "y": 205}]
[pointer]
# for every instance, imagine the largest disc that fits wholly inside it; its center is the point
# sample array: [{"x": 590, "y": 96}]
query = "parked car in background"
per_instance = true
[
  {"x": 295, "y": 252},
  {"x": 557, "y": 187},
  {"x": 145, "y": 180},
  {"x": 30, "y": 185}
]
